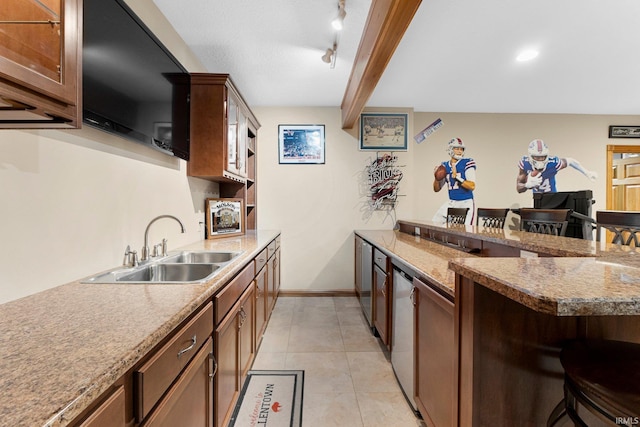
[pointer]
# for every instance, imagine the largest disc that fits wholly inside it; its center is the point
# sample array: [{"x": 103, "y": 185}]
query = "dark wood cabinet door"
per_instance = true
[
  {"x": 261, "y": 304},
  {"x": 381, "y": 310},
  {"x": 40, "y": 66},
  {"x": 358, "y": 266},
  {"x": 276, "y": 274},
  {"x": 190, "y": 401},
  {"x": 227, "y": 380},
  {"x": 246, "y": 332},
  {"x": 434, "y": 356},
  {"x": 271, "y": 283},
  {"x": 111, "y": 413}
]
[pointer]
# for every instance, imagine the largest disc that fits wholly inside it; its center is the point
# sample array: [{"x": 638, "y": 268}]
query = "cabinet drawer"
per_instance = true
[
  {"x": 261, "y": 260},
  {"x": 157, "y": 374},
  {"x": 380, "y": 259},
  {"x": 271, "y": 249},
  {"x": 227, "y": 297}
]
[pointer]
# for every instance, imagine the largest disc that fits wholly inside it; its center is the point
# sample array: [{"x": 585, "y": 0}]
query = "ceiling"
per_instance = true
[{"x": 456, "y": 55}]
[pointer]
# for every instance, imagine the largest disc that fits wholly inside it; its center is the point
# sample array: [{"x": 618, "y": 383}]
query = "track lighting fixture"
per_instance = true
[
  {"x": 330, "y": 55},
  {"x": 339, "y": 20}
]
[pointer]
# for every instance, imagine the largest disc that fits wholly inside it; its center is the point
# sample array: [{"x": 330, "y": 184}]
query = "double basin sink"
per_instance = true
[{"x": 181, "y": 267}]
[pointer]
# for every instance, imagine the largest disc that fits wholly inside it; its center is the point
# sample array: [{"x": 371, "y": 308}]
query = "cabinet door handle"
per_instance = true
[
  {"x": 384, "y": 287},
  {"x": 215, "y": 366},
  {"x": 412, "y": 295},
  {"x": 184, "y": 350}
]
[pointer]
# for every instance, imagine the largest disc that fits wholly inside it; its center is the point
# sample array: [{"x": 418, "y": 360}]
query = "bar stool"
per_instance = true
[
  {"x": 492, "y": 218},
  {"x": 545, "y": 221},
  {"x": 603, "y": 376},
  {"x": 457, "y": 215},
  {"x": 623, "y": 224}
]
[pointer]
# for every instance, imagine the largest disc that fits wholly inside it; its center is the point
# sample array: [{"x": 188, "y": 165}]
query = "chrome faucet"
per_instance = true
[{"x": 145, "y": 249}]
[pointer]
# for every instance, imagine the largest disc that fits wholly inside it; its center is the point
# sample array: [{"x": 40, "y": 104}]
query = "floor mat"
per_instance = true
[{"x": 270, "y": 399}]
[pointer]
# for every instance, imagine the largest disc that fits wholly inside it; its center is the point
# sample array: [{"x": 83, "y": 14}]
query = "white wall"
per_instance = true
[{"x": 317, "y": 207}]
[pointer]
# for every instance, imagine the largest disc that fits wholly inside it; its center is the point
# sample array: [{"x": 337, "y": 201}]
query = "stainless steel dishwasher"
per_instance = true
[{"x": 402, "y": 335}]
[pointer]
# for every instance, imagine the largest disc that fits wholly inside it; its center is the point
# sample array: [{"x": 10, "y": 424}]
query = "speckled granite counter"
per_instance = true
[
  {"x": 586, "y": 278},
  {"x": 61, "y": 348},
  {"x": 429, "y": 258}
]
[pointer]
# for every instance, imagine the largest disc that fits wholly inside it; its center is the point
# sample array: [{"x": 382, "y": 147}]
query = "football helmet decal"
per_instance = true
[
  {"x": 455, "y": 143},
  {"x": 538, "y": 154}
]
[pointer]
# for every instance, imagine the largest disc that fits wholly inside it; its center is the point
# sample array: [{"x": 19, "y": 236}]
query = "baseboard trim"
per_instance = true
[{"x": 335, "y": 293}]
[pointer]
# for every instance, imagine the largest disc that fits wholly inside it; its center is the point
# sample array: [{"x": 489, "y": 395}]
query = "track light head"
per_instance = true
[
  {"x": 327, "y": 56},
  {"x": 338, "y": 21}
]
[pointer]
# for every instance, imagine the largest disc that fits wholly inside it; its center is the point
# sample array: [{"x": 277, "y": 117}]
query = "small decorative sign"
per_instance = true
[
  {"x": 624, "y": 131},
  {"x": 224, "y": 217},
  {"x": 426, "y": 132}
]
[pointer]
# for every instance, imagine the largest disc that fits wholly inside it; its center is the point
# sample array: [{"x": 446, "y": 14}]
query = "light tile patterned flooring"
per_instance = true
[{"x": 348, "y": 380}]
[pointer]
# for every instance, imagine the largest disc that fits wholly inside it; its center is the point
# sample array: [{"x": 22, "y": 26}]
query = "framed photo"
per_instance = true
[
  {"x": 624, "y": 131},
  {"x": 301, "y": 144},
  {"x": 224, "y": 217},
  {"x": 383, "y": 131}
]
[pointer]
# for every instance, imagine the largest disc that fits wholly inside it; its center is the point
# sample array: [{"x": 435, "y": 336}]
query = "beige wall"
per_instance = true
[{"x": 317, "y": 207}]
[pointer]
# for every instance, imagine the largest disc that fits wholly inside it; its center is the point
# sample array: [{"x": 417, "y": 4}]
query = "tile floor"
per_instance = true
[{"x": 348, "y": 380}]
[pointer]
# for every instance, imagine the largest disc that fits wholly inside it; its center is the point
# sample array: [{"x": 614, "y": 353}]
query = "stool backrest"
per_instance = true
[
  {"x": 457, "y": 215},
  {"x": 492, "y": 218},
  {"x": 624, "y": 225},
  {"x": 545, "y": 221}
]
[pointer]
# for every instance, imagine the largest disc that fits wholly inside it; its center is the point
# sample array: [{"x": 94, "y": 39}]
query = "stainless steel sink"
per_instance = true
[
  {"x": 201, "y": 257},
  {"x": 182, "y": 267}
]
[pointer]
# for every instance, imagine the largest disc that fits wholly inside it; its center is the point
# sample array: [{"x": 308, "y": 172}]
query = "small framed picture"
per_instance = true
[
  {"x": 301, "y": 144},
  {"x": 624, "y": 131},
  {"x": 383, "y": 131},
  {"x": 224, "y": 217}
]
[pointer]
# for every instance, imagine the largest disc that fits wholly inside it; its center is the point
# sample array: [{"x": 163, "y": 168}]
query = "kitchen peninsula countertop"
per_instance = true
[
  {"x": 584, "y": 278},
  {"x": 63, "y": 347}
]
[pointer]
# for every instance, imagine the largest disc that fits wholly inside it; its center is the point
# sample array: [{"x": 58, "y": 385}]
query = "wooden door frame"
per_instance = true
[{"x": 611, "y": 150}]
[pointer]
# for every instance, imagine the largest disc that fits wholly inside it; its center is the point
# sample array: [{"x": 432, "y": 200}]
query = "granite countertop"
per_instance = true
[
  {"x": 429, "y": 258},
  {"x": 63, "y": 347},
  {"x": 584, "y": 277},
  {"x": 559, "y": 286}
]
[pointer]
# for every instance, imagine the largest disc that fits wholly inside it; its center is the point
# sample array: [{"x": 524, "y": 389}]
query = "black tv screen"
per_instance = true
[{"x": 132, "y": 85}]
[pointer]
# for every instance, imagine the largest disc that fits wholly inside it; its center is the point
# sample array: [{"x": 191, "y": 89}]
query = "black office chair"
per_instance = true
[
  {"x": 624, "y": 225},
  {"x": 457, "y": 215},
  {"x": 492, "y": 218},
  {"x": 545, "y": 221}
]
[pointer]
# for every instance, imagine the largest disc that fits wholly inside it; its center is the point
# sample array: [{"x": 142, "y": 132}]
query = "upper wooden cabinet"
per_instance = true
[
  {"x": 222, "y": 129},
  {"x": 40, "y": 66}
]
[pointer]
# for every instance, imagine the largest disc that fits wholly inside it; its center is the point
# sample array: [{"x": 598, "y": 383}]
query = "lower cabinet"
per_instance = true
[
  {"x": 190, "y": 401},
  {"x": 261, "y": 304},
  {"x": 110, "y": 413},
  {"x": 234, "y": 348},
  {"x": 434, "y": 356}
]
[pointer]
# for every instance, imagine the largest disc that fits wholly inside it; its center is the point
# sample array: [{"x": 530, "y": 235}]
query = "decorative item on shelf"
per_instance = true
[
  {"x": 224, "y": 217},
  {"x": 301, "y": 144},
  {"x": 624, "y": 131},
  {"x": 383, "y": 179},
  {"x": 383, "y": 131}
]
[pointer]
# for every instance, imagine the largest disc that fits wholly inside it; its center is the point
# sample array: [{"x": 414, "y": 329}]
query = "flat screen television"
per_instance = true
[{"x": 132, "y": 85}]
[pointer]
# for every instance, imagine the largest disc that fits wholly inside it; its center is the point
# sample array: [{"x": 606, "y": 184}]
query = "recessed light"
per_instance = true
[{"x": 527, "y": 55}]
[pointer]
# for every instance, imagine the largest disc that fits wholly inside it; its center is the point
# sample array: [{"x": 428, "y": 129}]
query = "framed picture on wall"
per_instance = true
[
  {"x": 301, "y": 144},
  {"x": 224, "y": 217},
  {"x": 624, "y": 131},
  {"x": 383, "y": 131}
]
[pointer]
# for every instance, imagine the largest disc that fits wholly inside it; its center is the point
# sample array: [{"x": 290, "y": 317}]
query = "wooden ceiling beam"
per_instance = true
[{"x": 386, "y": 24}]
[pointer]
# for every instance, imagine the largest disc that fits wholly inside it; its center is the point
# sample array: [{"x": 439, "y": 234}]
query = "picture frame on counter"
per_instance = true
[
  {"x": 301, "y": 144},
  {"x": 224, "y": 217},
  {"x": 383, "y": 131},
  {"x": 624, "y": 131}
]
